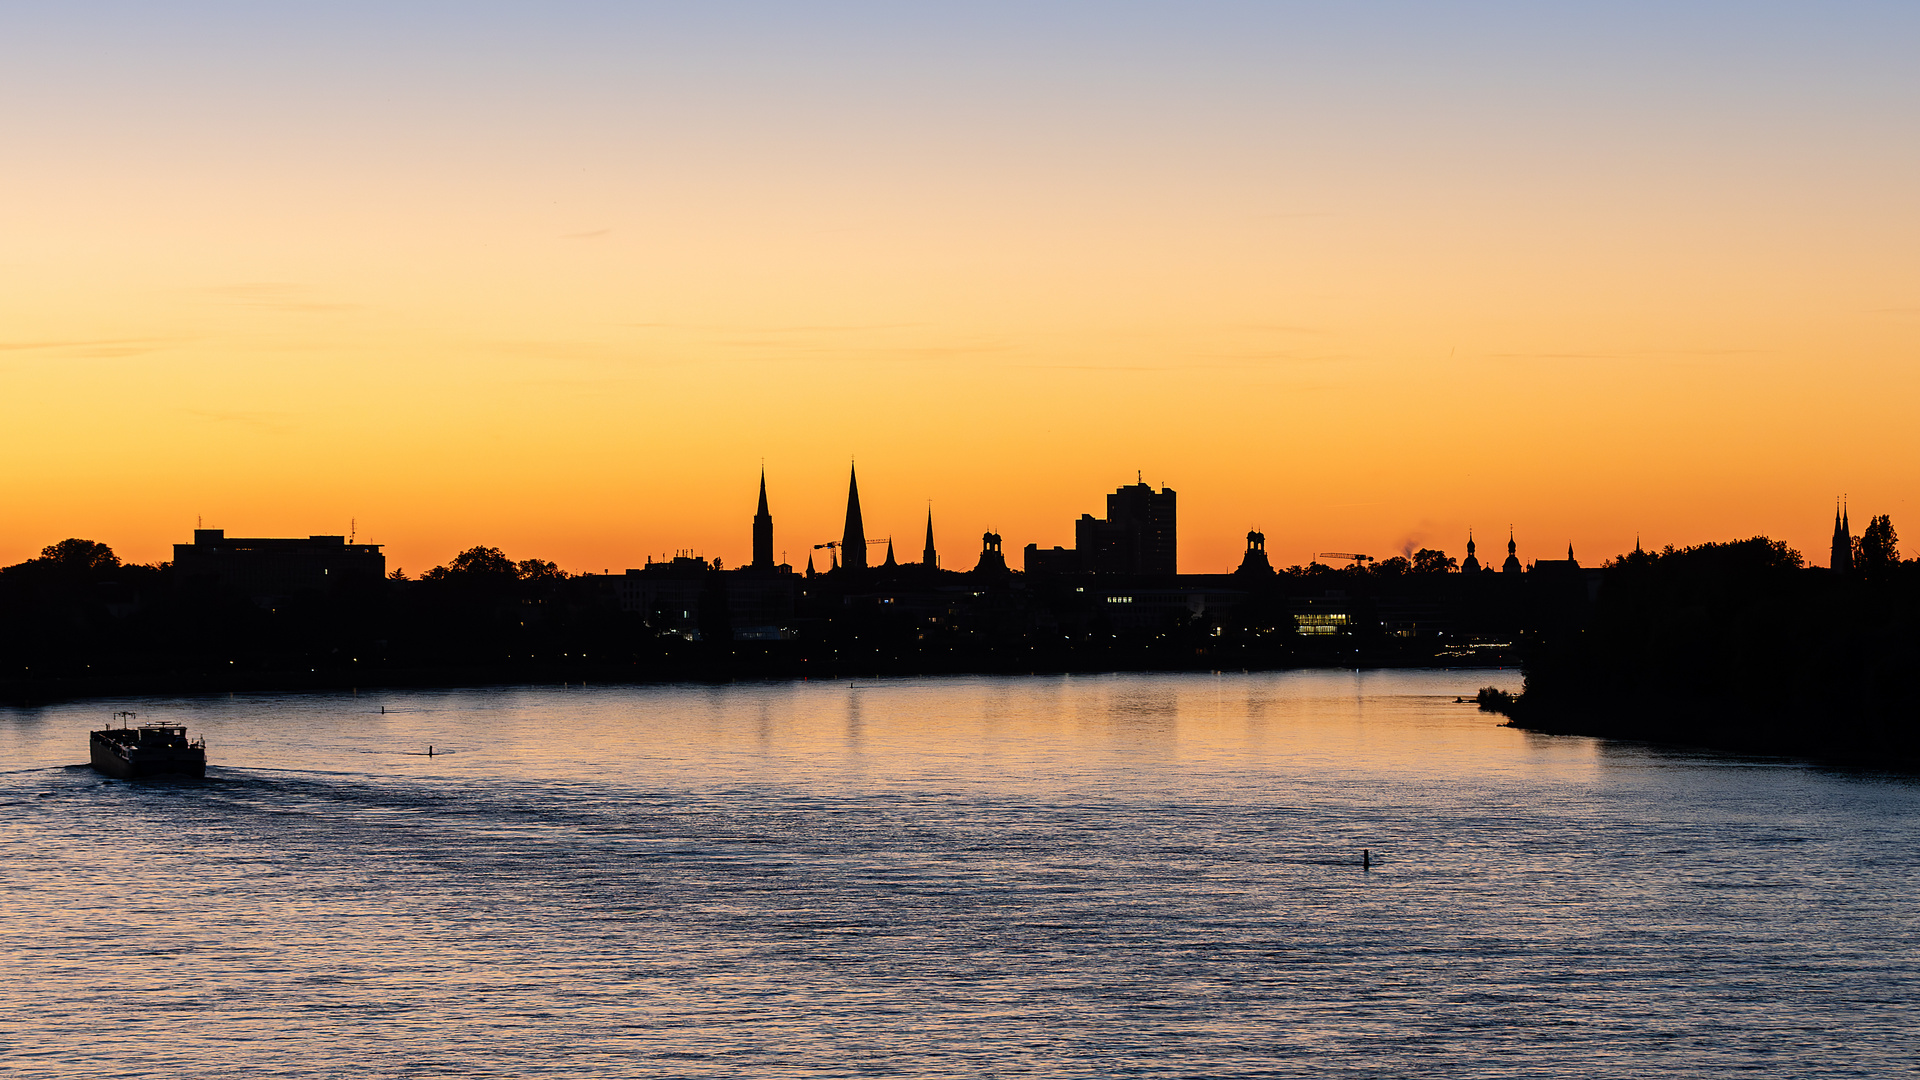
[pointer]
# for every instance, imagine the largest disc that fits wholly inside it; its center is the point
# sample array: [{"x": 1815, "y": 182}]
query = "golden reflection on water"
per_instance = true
[{"x": 1060, "y": 875}]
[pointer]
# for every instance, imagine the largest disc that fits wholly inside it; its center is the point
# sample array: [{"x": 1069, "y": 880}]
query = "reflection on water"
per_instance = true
[{"x": 1140, "y": 875}]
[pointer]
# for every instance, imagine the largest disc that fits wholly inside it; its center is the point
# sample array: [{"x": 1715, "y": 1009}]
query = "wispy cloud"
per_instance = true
[
  {"x": 90, "y": 348},
  {"x": 1279, "y": 328},
  {"x": 797, "y": 328},
  {"x": 1553, "y": 356},
  {"x": 591, "y": 234},
  {"x": 278, "y": 296},
  {"x": 263, "y": 421}
]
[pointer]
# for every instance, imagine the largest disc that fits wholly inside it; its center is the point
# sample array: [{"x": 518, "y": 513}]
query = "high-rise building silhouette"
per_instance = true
[
  {"x": 1841, "y": 558},
  {"x": 1137, "y": 537},
  {"x": 853, "y": 541},
  {"x": 763, "y": 530}
]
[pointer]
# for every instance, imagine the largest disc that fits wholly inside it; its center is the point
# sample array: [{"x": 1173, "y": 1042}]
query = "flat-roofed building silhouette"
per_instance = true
[{"x": 268, "y": 567}]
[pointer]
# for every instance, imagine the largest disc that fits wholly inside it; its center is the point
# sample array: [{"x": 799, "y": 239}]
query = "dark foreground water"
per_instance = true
[{"x": 1093, "y": 876}]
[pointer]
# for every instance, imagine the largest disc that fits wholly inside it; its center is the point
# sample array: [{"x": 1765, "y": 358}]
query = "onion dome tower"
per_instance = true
[
  {"x": 1472, "y": 564},
  {"x": 1255, "y": 560},
  {"x": 991, "y": 559}
]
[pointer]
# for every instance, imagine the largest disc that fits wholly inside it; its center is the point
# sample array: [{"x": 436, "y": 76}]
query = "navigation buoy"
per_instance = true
[
  {"x": 1366, "y": 859},
  {"x": 429, "y": 749}
]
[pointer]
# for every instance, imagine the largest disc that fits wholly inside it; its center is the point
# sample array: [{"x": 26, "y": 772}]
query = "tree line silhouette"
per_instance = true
[
  {"x": 1739, "y": 645},
  {"x": 1735, "y": 644}
]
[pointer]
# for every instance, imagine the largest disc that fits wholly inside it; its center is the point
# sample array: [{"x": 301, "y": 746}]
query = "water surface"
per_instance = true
[{"x": 1077, "y": 876}]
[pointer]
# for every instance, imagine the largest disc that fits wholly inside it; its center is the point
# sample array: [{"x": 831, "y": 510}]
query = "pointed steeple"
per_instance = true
[
  {"x": 1471, "y": 565},
  {"x": 853, "y": 541},
  {"x": 1512, "y": 565},
  {"x": 763, "y": 530},
  {"x": 809, "y": 564},
  {"x": 1841, "y": 557},
  {"x": 929, "y": 558},
  {"x": 890, "y": 563}
]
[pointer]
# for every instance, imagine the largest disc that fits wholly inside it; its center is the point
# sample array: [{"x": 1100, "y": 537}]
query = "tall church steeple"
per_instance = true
[
  {"x": 853, "y": 542},
  {"x": 1512, "y": 565},
  {"x": 1472, "y": 564},
  {"x": 763, "y": 530},
  {"x": 1841, "y": 558},
  {"x": 929, "y": 558}
]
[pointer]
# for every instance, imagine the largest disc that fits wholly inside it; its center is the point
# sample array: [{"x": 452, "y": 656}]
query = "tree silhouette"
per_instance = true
[
  {"x": 540, "y": 570},
  {"x": 1877, "y": 550},
  {"x": 1430, "y": 561},
  {"x": 78, "y": 555},
  {"x": 476, "y": 562}
]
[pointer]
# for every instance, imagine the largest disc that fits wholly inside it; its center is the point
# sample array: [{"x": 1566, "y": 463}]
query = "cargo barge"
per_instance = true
[{"x": 131, "y": 752}]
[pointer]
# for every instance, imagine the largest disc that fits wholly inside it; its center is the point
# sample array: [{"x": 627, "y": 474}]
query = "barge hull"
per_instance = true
[{"x": 105, "y": 760}]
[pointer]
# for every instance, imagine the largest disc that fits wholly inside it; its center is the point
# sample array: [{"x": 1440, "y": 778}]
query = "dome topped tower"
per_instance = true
[{"x": 1255, "y": 560}]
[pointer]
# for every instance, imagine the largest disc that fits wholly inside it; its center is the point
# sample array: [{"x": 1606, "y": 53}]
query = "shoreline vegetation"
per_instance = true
[{"x": 1738, "y": 646}]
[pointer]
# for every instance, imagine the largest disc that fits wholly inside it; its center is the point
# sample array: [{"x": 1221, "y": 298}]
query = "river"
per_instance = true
[{"x": 1138, "y": 875}]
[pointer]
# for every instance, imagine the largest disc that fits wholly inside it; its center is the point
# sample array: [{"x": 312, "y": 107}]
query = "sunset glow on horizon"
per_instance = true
[{"x": 563, "y": 280}]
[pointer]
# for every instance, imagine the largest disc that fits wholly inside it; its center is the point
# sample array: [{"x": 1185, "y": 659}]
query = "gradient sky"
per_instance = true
[{"x": 560, "y": 277}]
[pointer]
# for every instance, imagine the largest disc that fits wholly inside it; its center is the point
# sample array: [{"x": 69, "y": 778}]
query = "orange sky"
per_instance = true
[{"x": 534, "y": 291}]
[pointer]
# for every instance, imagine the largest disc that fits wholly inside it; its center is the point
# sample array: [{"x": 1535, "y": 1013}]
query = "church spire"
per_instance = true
[
  {"x": 853, "y": 542},
  {"x": 890, "y": 564},
  {"x": 763, "y": 530},
  {"x": 929, "y": 558},
  {"x": 1841, "y": 557}
]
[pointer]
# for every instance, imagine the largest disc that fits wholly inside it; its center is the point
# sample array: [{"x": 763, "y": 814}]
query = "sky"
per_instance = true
[{"x": 562, "y": 278}]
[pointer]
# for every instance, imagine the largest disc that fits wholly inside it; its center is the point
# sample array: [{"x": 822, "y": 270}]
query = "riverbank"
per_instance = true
[
  {"x": 690, "y": 668},
  {"x": 1709, "y": 724}
]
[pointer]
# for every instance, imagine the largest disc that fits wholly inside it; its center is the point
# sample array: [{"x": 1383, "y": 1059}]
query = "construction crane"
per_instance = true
[
  {"x": 836, "y": 543},
  {"x": 1347, "y": 555}
]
